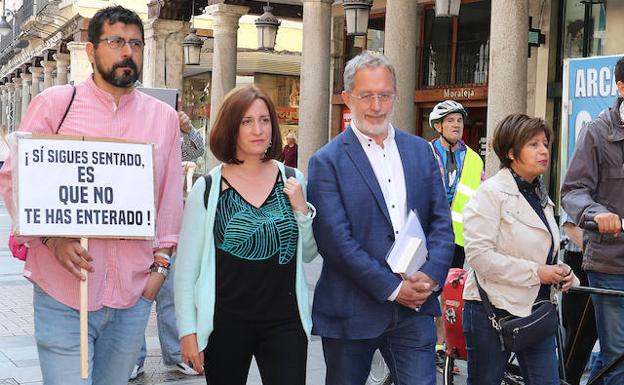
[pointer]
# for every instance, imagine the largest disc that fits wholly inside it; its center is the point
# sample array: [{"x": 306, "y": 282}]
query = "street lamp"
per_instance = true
[
  {"x": 267, "y": 25},
  {"x": 447, "y": 8},
  {"x": 192, "y": 43},
  {"x": 356, "y": 14}
]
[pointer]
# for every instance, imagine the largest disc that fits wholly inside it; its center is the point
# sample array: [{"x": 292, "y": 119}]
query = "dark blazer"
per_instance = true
[{"x": 354, "y": 233}]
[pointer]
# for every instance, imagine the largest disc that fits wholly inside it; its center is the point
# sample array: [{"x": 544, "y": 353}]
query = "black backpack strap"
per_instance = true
[
  {"x": 67, "y": 110},
  {"x": 208, "y": 180},
  {"x": 289, "y": 171}
]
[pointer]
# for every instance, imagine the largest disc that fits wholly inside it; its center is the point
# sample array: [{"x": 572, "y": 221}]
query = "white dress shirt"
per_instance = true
[{"x": 388, "y": 168}]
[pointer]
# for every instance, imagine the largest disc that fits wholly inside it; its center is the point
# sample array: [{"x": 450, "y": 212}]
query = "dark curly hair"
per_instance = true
[{"x": 112, "y": 15}]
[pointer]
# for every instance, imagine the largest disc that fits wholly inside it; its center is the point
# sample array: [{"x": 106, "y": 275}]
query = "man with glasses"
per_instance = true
[
  {"x": 363, "y": 185},
  {"x": 124, "y": 275}
]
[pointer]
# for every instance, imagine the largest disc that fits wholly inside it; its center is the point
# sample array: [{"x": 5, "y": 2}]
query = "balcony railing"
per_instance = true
[
  {"x": 22, "y": 14},
  {"x": 41, "y": 4},
  {"x": 470, "y": 67},
  {"x": 5, "y": 41}
]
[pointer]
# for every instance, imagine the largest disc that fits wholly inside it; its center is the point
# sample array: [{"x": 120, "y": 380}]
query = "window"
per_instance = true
[
  {"x": 455, "y": 50},
  {"x": 577, "y": 42}
]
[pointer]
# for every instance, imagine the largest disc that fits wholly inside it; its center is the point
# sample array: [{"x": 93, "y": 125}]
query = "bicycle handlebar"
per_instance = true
[
  {"x": 591, "y": 225},
  {"x": 597, "y": 290}
]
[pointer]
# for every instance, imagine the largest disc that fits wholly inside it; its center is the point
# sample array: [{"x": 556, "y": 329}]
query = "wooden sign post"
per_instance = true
[
  {"x": 84, "y": 318},
  {"x": 84, "y": 188}
]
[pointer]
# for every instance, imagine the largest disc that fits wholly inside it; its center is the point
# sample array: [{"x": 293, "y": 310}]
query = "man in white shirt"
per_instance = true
[{"x": 363, "y": 184}]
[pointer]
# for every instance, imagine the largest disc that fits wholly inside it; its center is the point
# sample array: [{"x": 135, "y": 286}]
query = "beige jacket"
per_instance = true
[{"x": 505, "y": 243}]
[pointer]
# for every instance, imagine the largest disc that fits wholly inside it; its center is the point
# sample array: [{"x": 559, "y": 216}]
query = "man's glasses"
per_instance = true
[
  {"x": 116, "y": 42},
  {"x": 369, "y": 98}
]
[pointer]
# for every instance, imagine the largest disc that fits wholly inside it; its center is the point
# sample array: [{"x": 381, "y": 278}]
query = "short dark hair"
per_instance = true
[
  {"x": 224, "y": 131},
  {"x": 112, "y": 15},
  {"x": 513, "y": 132},
  {"x": 618, "y": 72}
]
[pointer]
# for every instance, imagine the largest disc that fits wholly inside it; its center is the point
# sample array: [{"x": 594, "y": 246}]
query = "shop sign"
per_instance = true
[
  {"x": 287, "y": 115},
  {"x": 435, "y": 95},
  {"x": 588, "y": 88},
  {"x": 459, "y": 93},
  {"x": 346, "y": 118}
]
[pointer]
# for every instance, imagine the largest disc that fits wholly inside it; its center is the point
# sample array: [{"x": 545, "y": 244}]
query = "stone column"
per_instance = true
[
  {"x": 62, "y": 65},
  {"x": 225, "y": 27},
  {"x": 48, "y": 68},
  {"x": 17, "y": 102},
  {"x": 8, "y": 99},
  {"x": 507, "y": 85},
  {"x": 26, "y": 84},
  {"x": 400, "y": 41},
  {"x": 315, "y": 85},
  {"x": 2, "y": 105},
  {"x": 163, "y": 58},
  {"x": 80, "y": 65},
  {"x": 36, "y": 80}
]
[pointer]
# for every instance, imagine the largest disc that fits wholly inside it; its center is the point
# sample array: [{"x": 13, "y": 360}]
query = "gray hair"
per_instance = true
[{"x": 366, "y": 60}]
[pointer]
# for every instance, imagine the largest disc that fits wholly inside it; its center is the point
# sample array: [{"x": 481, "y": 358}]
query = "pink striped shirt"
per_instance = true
[{"x": 121, "y": 266}]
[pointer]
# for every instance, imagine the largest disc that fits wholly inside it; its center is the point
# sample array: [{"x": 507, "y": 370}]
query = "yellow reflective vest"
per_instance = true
[{"x": 469, "y": 180}]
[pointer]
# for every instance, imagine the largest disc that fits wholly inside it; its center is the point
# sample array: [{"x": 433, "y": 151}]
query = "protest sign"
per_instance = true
[{"x": 84, "y": 187}]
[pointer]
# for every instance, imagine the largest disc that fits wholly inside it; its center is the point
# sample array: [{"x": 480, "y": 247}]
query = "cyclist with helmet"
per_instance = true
[
  {"x": 460, "y": 166},
  {"x": 461, "y": 169}
]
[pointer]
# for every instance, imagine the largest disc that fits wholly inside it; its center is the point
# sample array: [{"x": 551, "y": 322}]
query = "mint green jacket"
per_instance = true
[{"x": 194, "y": 284}]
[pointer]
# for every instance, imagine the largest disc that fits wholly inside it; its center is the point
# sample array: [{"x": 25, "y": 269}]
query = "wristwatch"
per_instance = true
[{"x": 159, "y": 269}]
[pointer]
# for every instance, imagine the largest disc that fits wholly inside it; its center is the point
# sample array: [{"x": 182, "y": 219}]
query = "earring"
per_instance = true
[{"x": 267, "y": 149}]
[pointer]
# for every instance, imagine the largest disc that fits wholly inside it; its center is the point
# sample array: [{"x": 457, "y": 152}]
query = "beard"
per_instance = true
[
  {"x": 128, "y": 77},
  {"x": 373, "y": 129}
]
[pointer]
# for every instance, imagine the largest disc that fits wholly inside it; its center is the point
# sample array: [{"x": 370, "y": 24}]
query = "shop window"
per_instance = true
[
  {"x": 437, "y": 50},
  {"x": 584, "y": 29},
  {"x": 473, "y": 43},
  {"x": 455, "y": 50}
]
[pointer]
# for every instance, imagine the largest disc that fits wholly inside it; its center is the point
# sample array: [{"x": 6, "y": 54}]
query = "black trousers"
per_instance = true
[
  {"x": 579, "y": 322},
  {"x": 280, "y": 349},
  {"x": 458, "y": 257}
]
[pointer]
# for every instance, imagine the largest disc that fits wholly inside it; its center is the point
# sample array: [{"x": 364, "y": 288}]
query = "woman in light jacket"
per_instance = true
[
  {"x": 240, "y": 290},
  {"x": 512, "y": 243}
]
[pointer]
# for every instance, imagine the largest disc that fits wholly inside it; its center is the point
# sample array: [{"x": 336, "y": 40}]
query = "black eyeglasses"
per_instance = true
[{"x": 116, "y": 42}]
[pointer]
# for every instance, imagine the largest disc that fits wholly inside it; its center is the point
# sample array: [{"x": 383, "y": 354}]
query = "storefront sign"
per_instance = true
[
  {"x": 459, "y": 93},
  {"x": 455, "y": 93},
  {"x": 588, "y": 88},
  {"x": 287, "y": 115},
  {"x": 346, "y": 117}
]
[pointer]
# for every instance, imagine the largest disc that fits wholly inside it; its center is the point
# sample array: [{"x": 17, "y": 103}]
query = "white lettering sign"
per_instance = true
[
  {"x": 460, "y": 93},
  {"x": 84, "y": 188},
  {"x": 592, "y": 82}
]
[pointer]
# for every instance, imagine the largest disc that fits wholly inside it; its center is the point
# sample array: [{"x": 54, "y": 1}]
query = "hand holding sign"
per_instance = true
[{"x": 71, "y": 255}]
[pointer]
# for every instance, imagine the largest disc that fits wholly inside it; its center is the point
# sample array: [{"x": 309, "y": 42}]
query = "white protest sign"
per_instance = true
[{"x": 84, "y": 188}]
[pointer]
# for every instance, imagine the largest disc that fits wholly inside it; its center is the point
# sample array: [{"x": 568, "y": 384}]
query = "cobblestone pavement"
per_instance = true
[{"x": 19, "y": 364}]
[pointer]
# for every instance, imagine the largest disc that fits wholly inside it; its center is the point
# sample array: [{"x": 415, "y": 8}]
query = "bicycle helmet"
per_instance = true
[{"x": 444, "y": 108}]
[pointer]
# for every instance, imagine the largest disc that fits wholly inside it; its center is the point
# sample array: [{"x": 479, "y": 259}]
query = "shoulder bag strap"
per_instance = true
[
  {"x": 490, "y": 311},
  {"x": 208, "y": 180},
  {"x": 67, "y": 110}
]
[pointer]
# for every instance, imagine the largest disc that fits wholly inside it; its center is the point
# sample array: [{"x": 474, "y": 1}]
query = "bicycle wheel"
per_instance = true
[
  {"x": 512, "y": 376},
  {"x": 447, "y": 373},
  {"x": 379, "y": 374}
]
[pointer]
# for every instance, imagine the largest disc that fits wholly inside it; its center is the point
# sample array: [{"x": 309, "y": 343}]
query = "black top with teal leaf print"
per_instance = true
[{"x": 256, "y": 248}]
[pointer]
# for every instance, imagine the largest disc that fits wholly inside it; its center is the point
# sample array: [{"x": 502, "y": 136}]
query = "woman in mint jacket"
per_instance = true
[{"x": 240, "y": 290}]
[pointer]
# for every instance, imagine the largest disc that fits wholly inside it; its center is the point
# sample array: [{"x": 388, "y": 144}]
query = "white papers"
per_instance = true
[{"x": 409, "y": 251}]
